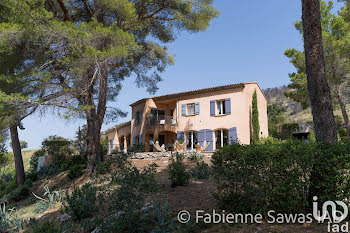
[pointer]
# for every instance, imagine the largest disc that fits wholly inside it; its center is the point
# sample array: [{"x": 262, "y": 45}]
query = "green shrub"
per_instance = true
[
  {"x": 28, "y": 182},
  {"x": 288, "y": 129},
  {"x": 32, "y": 175},
  {"x": 71, "y": 161},
  {"x": 41, "y": 207},
  {"x": 281, "y": 176},
  {"x": 47, "y": 226},
  {"x": 104, "y": 167},
  {"x": 58, "y": 147},
  {"x": 7, "y": 184},
  {"x": 75, "y": 171},
  {"x": 82, "y": 202},
  {"x": 19, "y": 193},
  {"x": 195, "y": 157},
  {"x": 201, "y": 171},
  {"x": 104, "y": 147},
  {"x": 177, "y": 171},
  {"x": 124, "y": 211},
  {"x": 34, "y": 159},
  {"x": 136, "y": 148}
]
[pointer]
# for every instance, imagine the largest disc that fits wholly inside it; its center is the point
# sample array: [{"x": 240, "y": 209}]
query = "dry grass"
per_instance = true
[{"x": 26, "y": 155}]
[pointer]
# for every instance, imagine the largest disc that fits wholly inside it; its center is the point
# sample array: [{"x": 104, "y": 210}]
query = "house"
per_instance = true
[{"x": 218, "y": 115}]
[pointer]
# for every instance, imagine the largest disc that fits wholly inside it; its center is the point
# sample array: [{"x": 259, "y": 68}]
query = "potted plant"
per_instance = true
[{"x": 198, "y": 147}]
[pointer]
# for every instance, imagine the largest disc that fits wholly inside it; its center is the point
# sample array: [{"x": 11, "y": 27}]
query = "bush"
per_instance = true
[
  {"x": 32, "y": 175},
  {"x": 58, "y": 148},
  {"x": 75, "y": 171},
  {"x": 34, "y": 159},
  {"x": 177, "y": 171},
  {"x": 48, "y": 226},
  {"x": 125, "y": 209},
  {"x": 71, "y": 161},
  {"x": 104, "y": 167},
  {"x": 201, "y": 171},
  {"x": 19, "y": 193},
  {"x": 136, "y": 148},
  {"x": 7, "y": 184},
  {"x": 281, "y": 176},
  {"x": 82, "y": 202},
  {"x": 51, "y": 169},
  {"x": 288, "y": 129}
]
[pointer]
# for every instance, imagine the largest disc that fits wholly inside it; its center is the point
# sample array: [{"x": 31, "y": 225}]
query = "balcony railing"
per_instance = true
[{"x": 161, "y": 121}]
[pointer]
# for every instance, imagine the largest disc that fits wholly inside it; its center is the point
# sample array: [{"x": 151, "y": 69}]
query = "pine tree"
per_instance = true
[{"x": 87, "y": 49}]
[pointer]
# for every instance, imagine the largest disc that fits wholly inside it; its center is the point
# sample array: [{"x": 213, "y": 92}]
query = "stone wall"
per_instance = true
[{"x": 150, "y": 155}]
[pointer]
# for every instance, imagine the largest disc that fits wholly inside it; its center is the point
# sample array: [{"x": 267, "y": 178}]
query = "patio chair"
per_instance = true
[
  {"x": 204, "y": 146},
  {"x": 180, "y": 147},
  {"x": 159, "y": 148}
]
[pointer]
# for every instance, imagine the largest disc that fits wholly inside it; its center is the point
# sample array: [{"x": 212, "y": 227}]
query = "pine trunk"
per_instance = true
[
  {"x": 344, "y": 113},
  {"x": 95, "y": 116},
  {"x": 319, "y": 92},
  {"x": 93, "y": 143},
  {"x": 17, "y": 153}
]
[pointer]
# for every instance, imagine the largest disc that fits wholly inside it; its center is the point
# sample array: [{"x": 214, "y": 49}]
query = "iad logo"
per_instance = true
[{"x": 336, "y": 216}]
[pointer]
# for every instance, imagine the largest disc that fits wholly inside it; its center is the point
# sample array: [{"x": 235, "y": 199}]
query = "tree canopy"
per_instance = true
[
  {"x": 335, "y": 35},
  {"x": 85, "y": 49}
]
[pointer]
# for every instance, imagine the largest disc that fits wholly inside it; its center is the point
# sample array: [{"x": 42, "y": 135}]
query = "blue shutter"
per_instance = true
[
  {"x": 232, "y": 135},
  {"x": 180, "y": 136},
  {"x": 183, "y": 109},
  {"x": 209, "y": 139},
  {"x": 212, "y": 107},
  {"x": 201, "y": 136},
  {"x": 140, "y": 139},
  {"x": 133, "y": 140},
  {"x": 196, "y": 108},
  {"x": 228, "y": 105}
]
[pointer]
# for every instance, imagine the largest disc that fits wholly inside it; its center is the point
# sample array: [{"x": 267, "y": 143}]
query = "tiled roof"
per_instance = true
[
  {"x": 117, "y": 127},
  {"x": 170, "y": 96}
]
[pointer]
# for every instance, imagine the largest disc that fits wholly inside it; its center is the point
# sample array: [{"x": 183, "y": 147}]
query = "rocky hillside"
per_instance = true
[{"x": 295, "y": 113}]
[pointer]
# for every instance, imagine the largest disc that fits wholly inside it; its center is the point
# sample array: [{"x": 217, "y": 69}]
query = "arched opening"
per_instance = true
[{"x": 221, "y": 138}]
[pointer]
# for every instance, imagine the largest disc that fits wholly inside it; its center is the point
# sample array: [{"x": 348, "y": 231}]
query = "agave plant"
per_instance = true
[
  {"x": 51, "y": 199},
  {"x": 159, "y": 219},
  {"x": 11, "y": 224}
]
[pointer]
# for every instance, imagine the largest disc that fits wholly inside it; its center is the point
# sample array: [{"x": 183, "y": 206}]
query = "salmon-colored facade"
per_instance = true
[{"x": 218, "y": 116}]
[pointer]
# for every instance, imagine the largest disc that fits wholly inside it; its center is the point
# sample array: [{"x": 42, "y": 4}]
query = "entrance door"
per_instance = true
[{"x": 161, "y": 138}]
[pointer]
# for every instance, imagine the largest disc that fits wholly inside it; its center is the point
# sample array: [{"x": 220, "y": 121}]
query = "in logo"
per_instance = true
[{"x": 336, "y": 216}]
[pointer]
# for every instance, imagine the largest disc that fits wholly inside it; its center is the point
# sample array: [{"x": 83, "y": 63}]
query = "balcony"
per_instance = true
[{"x": 160, "y": 121}]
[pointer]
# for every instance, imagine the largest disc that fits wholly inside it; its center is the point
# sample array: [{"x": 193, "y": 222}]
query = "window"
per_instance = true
[
  {"x": 220, "y": 105},
  {"x": 221, "y": 138},
  {"x": 191, "y": 140},
  {"x": 136, "y": 142},
  {"x": 190, "y": 109},
  {"x": 137, "y": 117}
]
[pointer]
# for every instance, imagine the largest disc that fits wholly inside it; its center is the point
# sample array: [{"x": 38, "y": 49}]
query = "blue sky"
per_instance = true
[{"x": 245, "y": 43}]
